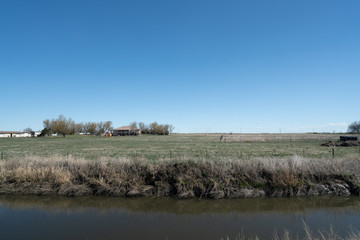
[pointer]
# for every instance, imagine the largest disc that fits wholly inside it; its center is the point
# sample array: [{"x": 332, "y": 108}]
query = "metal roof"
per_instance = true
[
  {"x": 123, "y": 128},
  {"x": 10, "y": 132}
]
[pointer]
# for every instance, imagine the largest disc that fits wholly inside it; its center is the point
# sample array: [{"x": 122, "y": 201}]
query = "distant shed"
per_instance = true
[{"x": 348, "y": 138}]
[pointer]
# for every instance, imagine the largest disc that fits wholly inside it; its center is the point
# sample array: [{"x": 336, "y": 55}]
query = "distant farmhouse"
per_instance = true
[
  {"x": 126, "y": 131},
  {"x": 4, "y": 134}
]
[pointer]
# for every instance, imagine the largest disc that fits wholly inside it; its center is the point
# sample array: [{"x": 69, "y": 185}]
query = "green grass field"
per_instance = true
[{"x": 174, "y": 147}]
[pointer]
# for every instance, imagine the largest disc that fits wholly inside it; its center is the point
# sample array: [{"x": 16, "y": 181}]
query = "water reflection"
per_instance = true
[{"x": 166, "y": 218}]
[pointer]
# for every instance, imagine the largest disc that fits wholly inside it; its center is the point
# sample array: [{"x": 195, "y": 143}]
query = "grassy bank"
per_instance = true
[{"x": 200, "y": 178}]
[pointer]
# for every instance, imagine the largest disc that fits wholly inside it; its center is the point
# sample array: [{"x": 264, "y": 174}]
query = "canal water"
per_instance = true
[{"x": 31, "y": 217}]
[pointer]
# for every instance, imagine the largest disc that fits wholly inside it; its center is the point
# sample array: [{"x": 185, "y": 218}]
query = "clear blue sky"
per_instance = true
[{"x": 202, "y": 66}]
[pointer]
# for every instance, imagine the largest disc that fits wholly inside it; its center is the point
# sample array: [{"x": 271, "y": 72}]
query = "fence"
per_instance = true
[{"x": 278, "y": 137}]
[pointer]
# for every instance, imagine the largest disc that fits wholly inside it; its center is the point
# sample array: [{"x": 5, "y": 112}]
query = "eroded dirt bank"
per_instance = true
[{"x": 225, "y": 178}]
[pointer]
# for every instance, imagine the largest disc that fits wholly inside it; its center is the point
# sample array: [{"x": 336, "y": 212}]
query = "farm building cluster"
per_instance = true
[
  {"x": 4, "y": 134},
  {"x": 121, "y": 131}
]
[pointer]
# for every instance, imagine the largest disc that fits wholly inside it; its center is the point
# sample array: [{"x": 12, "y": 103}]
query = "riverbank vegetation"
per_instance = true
[
  {"x": 186, "y": 178},
  {"x": 331, "y": 234}
]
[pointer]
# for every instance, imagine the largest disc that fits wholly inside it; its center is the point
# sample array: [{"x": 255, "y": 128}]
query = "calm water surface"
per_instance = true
[{"x": 144, "y": 218}]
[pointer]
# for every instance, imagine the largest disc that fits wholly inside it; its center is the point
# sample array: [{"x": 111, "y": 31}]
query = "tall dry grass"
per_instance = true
[
  {"x": 330, "y": 234},
  {"x": 223, "y": 178}
]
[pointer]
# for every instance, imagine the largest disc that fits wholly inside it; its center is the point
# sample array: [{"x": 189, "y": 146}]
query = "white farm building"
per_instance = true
[{"x": 4, "y": 134}]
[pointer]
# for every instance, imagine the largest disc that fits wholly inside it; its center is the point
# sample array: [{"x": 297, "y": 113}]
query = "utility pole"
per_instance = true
[{"x": 240, "y": 133}]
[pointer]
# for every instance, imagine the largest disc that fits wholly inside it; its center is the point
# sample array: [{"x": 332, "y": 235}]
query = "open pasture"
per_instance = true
[{"x": 178, "y": 146}]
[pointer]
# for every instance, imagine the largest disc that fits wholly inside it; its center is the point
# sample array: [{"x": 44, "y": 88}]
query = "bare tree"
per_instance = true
[
  {"x": 79, "y": 128},
  {"x": 100, "y": 128},
  {"x": 153, "y": 128},
  {"x": 133, "y": 128},
  {"x": 165, "y": 129},
  {"x": 86, "y": 127},
  {"x": 171, "y": 129},
  {"x": 108, "y": 126},
  {"x": 354, "y": 127},
  {"x": 47, "y": 124},
  {"x": 72, "y": 126},
  {"x": 143, "y": 128},
  {"x": 91, "y": 127},
  {"x": 28, "y": 130}
]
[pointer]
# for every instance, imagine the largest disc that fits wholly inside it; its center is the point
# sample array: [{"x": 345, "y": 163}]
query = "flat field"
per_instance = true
[{"x": 177, "y": 146}]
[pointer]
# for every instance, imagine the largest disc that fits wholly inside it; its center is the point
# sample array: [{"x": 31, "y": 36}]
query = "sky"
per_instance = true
[{"x": 203, "y": 66}]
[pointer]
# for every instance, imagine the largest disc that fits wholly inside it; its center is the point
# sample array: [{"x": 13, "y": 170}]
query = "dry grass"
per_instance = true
[
  {"x": 309, "y": 235},
  {"x": 279, "y": 137},
  {"x": 223, "y": 178}
]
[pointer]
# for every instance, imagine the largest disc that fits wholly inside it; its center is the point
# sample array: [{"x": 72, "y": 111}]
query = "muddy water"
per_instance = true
[{"x": 144, "y": 218}]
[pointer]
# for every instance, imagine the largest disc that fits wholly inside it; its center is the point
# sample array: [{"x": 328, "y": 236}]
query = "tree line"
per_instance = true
[
  {"x": 67, "y": 126},
  {"x": 153, "y": 128}
]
